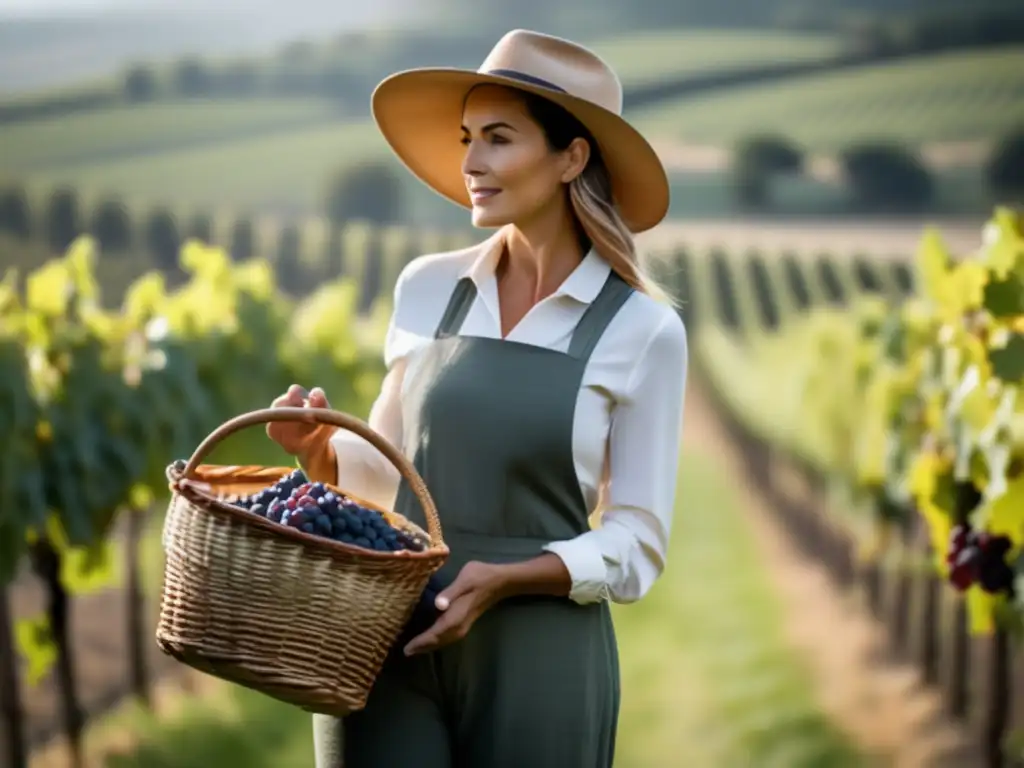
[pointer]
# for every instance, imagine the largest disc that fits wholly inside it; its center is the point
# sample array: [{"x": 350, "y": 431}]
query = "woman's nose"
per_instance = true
[{"x": 472, "y": 164}]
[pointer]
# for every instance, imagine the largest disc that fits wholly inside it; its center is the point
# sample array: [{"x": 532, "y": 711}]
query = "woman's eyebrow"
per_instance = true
[{"x": 492, "y": 126}]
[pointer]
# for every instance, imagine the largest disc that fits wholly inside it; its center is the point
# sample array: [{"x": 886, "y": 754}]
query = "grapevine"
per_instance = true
[
  {"x": 915, "y": 407},
  {"x": 98, "y": 402}
]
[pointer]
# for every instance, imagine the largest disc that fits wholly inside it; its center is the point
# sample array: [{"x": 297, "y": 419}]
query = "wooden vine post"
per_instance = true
[
  {"x": 136, "y": 609},
  {"x": 13, "y": 752},
  {"x": 46, "y": 563}
]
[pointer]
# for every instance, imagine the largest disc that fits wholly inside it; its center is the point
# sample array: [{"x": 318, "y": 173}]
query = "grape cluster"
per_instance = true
[
  {"x": 977, "y": 557},
  {"x": 315, "y": 509}
]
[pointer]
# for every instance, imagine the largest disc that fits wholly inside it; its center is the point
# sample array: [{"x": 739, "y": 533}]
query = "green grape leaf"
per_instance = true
[
  {"x": 35, "y": 641},
  {"x": 1002, "y": 243},
  {"x": 1004, "y": 298},
  {"x": 1008, "y": 361},
  {"x": 89, "y": 569},
  {"x": 894, "y": 339},
  {"x": 944, "y": 494},
  {"x": 140, "y": 496},
  {"x": 1009, "y": 617}
]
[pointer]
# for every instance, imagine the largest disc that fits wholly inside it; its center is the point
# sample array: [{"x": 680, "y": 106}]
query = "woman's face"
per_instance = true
[{"x": 510, "y": 171}]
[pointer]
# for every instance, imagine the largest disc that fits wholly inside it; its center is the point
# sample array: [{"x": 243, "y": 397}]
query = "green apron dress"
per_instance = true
[{"x": 535, "y": 684}]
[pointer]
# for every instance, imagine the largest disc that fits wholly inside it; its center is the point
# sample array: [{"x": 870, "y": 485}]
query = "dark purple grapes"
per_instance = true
[
  {"x": 275, "y": 510},
  {"x": 978, "y": 557},
  {"x": 315, "y": 509}
]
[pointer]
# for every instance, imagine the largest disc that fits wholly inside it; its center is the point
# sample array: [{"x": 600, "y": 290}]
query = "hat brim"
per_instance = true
[{"x": 419, "y": 113}]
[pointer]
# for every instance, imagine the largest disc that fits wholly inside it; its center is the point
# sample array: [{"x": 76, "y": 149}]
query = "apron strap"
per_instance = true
[
  {"x": 598, "y": 315},
  {"x": 457, "y": 309}
]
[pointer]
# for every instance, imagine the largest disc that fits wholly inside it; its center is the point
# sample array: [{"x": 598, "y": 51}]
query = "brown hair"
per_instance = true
[{"x": 590, "y": 194}]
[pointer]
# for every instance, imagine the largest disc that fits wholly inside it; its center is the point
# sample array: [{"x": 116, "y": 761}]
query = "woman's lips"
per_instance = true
[{"x": 479, "y": 195}]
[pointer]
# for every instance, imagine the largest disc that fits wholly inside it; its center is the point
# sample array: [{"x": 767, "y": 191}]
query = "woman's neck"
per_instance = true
[{"x": 539, "y": 259}]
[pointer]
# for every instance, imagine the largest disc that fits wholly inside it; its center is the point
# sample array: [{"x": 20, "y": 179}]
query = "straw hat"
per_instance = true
[{"x": 419, "y": 111}]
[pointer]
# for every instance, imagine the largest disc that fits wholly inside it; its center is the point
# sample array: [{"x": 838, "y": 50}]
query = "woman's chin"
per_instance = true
[{"x": 485, "y": 219}]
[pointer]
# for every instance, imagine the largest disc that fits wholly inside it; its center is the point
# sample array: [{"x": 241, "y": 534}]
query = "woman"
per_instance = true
[{"x": 527, "y": 376}]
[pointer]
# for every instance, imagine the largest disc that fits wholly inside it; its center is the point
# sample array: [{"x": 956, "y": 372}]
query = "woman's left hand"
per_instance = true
[{"x": 477, "y": 587}]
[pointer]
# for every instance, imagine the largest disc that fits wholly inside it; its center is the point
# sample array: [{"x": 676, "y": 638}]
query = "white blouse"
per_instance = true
[{"x": 629, "y": 410}]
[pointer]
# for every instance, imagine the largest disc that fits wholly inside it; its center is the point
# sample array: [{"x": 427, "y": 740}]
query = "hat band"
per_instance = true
[{"x": 525, "y": 78}]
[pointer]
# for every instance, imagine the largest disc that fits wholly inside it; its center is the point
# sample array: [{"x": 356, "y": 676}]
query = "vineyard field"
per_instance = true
[
  {"x": 742, "y": 306},
  {"x": 284, "y": 174},
  {"x": 976, "y": 95},
  {"x": 122, "y": 132},
  {"x": 311, "y": 348},
  {"x": 658, "y": 56},
  {"x": 880, "y": 238},
  {"x": 876, "y": 395}
]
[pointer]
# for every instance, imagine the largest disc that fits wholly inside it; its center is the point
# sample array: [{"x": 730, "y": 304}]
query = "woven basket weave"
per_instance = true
[{"x": 300, "y": 618}]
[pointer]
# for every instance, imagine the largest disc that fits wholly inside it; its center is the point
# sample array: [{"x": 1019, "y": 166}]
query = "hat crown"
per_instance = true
[{"x": 551, "y": 61}]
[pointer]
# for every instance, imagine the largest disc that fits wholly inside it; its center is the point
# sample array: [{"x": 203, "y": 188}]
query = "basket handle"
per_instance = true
[{"x": 335, "y": 419}]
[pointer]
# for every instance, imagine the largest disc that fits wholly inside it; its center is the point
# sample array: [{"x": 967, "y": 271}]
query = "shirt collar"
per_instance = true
[{"x": 583, "y": 283}]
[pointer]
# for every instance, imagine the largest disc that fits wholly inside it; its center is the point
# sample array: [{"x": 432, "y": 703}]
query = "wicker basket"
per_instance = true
[{"x": 303, "y": 619}]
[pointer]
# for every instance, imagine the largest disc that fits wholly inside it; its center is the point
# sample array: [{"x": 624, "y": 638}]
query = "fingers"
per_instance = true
[
  {"x": 426, "y": 641},
  {"x": 293, "y": 398},
  {"x": 297, "y": 397},
  {"x": 317, "y": 398},
  {"x": 468, "y": 579},
  {"x": 453, "y": 591},
  {"x": 443, "y": 631}
]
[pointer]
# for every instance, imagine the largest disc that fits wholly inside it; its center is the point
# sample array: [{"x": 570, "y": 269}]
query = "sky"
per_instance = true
[
  {"x": 42, "y": 7},
  {"x": 49, "y": 7}
]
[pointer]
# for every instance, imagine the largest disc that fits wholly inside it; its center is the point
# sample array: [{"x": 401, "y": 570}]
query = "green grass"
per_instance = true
[
  {"x": 708, "y": 679},
  {"x": 953, "y": 96},
  {"x": 653, "y": 56}
]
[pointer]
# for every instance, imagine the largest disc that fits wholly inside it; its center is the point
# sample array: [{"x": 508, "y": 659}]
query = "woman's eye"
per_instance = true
[
  {"x": 464, "y": 141},
  {"x": 496, "y": 139}
]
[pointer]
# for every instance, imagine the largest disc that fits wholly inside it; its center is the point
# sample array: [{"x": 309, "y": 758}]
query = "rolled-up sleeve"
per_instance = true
[{"x": 621, "y": 559}]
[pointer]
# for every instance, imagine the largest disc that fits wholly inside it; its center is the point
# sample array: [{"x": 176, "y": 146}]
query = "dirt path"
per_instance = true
[{"x": 880, "y": 704}]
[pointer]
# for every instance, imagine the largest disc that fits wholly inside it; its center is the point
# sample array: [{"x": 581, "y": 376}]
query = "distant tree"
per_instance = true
[
  {"x": 370, "y": 191},
  {"x": 112, "y": 226},
  {"x": 140, "y": 84},
  {"x": 15, "y": 214},
  {"x": 238, "y": 78},
  {"x": 293, "y": 79},
  {"x": 757, "y": 160},
  {"x": 334, "y": 261},
  {"x": 884, "y": 176},
  {"x": 1005, "y": 168},
  {"x": 200, "y": 227},
  {"x": 191, "y": 78},
  {"x": 299, "y": 51},
  {"x": 290, "y": 272},
  {"x": 338, "y": 81},
  {"x": 63, "y": 220},
  {"x": 243, "y": 240},
  {"x": 163, "y": 240}
]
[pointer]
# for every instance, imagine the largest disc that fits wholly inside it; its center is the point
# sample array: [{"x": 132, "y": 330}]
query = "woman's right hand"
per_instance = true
[{"x": 294, "y": 436}]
